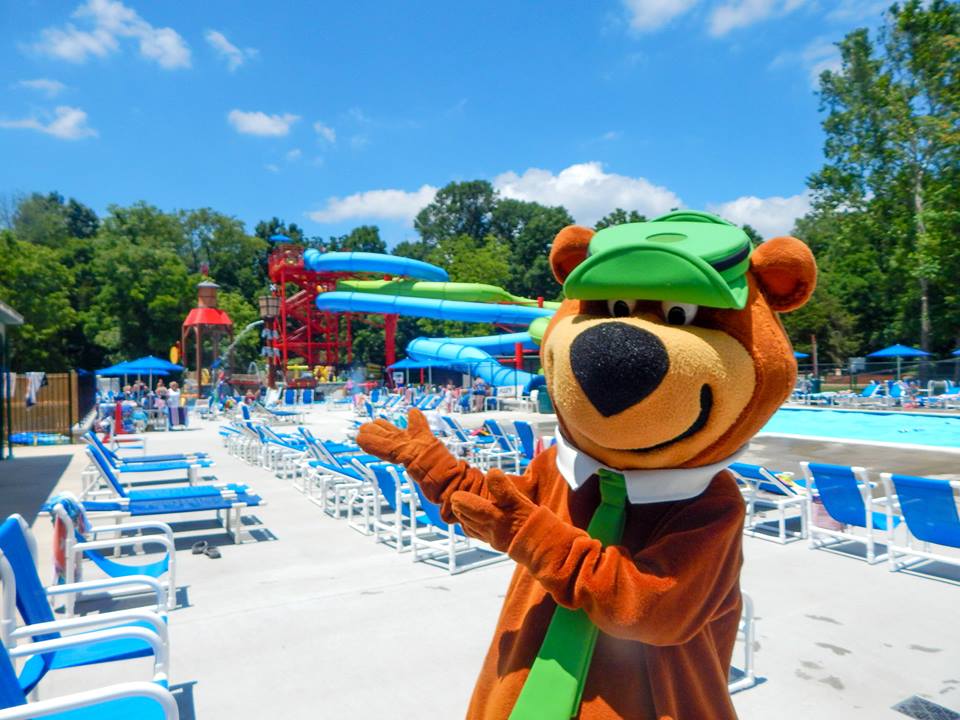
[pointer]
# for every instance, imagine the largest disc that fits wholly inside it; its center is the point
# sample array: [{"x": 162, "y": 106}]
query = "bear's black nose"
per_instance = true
[{"x": 618, "y": 365}]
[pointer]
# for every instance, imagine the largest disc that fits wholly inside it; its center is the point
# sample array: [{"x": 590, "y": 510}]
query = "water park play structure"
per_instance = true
[{"x": 336, "y": 289}]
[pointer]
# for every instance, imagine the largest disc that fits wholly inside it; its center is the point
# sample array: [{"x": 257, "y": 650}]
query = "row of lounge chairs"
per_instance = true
[
  {"x": 888, "y": 394},
  {"x": 903, "y": 519},
  {"x": 41, "y": 643}
]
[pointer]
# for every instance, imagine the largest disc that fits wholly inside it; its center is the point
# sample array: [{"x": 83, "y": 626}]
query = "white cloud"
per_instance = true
[
  {"x": 587, "y": 191},
  {"x": 259, "y": 123},
  {"x": 68, "y": 123},
  {"x": 359, "y": 141},
  {"x": 648, "y": 15},
  {"x": 742, "y": 13},
  {"x": 770, "y": 216},
  {"x": 50, "y": 88},
  {"x": 108, "y": 20},
  {"x": 294, "y": 154},
  {"x": 819, "y": 55},
  {"x": 326, "y": 132},
  {"x": 271, "y": 167},
  {"x": 386, "y": 204},
  {"x": 584, "y": 189},
  {"x": 234, "y": 56},
  {"x": 857, "y": 10}
]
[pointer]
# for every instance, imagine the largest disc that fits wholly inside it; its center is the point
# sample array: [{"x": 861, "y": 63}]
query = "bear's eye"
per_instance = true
[
  {"x": 679, "y": 313},
  {"x": 621, "y": 308}
]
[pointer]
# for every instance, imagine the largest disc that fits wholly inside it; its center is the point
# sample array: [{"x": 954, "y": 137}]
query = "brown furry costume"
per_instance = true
[{"x": 667, "y": 597}]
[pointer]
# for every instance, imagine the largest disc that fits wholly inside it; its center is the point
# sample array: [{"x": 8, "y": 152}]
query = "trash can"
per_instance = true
[
  {"x": 815, "y": 384},
  {"x": 544, "y": 405}
]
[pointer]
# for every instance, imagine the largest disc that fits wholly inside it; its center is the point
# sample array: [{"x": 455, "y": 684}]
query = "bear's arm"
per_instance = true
[
  {"x": 440, "y": 475},
  {"x": 662, "y": 595}
]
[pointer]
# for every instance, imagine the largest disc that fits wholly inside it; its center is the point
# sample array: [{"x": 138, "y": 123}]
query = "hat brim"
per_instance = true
[{"x": 656, "y": 272}]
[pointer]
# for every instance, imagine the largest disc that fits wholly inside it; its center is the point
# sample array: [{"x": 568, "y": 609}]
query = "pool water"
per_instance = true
[{"x": 887, "y": 427}]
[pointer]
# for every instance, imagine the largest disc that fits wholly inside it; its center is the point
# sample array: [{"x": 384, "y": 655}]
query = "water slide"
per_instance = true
[
  {"x": 315, "y": 260},
  {"x": 430, "y": 295}
]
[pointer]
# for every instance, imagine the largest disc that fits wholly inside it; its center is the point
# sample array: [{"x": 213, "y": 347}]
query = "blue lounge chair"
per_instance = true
[
  {"x": 526, "y": 438},
  {"x": 401, "y": 500},
  {"x": 139, "y": 633},
  {"x": 442, "y": 539},
  {"x": 929, "y": 509},
  {"x": 228, "y": 501},
  {"x": 765, "y": 488},
  {"x": 847, "y": 495},
  {"x": 81, "y": 539},
  {"x": 280, "y": 417},
  {"x": 503, "y": 448},
  {"x": 107, "y": 474},
  {"x": 116, "y": 459},
  {"x": 140, "y": 700}
]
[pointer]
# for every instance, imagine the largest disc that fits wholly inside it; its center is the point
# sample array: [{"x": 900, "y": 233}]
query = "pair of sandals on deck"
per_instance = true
[{"x": 202, "y": 547}]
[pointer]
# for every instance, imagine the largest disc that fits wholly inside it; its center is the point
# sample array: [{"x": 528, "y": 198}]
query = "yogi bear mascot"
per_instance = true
[{"x": 664, "y": 359}]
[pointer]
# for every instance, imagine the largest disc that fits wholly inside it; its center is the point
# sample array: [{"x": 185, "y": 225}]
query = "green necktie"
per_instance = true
[{"x": 555, "y": 683}]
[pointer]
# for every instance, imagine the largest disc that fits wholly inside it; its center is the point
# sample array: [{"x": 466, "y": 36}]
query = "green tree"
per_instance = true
[
  {"x": 528, "y": 229},
  {"x": 460, "y": 208},
  {"x": 219, "y": 243},
  {"x": 755, "y": 237},
  {"x": 82, "y": 222},
  {"x": 365, "y": 238},
  {"x": 145, "y": 289},
  {"x": 37, "y": 285},
  {"x": 619, "y": 217},
  {"x": 275, "y": 226},
  {"x": 892, "y": 133},
  {"x": 41, "y": 220}
]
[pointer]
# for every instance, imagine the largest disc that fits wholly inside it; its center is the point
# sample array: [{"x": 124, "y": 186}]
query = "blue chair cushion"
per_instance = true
[
  {"x": 107, "y": 651},
  {"x": 139, "y": 707},
  {"x": 161, "y": 466}
]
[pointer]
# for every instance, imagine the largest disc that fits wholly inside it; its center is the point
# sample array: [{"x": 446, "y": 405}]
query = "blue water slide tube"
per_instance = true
[
  {"x": 317, "y": 261},
  {"x": 505, "y": 344},
  {"x": 479, "y": 362},
  {"x": 430, "y": 308}
]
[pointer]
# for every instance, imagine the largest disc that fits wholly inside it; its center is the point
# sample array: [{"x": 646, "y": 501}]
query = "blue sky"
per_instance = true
[{"x": 338, "y": 114}]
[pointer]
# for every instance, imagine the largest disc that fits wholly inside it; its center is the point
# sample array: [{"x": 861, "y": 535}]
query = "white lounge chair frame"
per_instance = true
[{"x": 909, "y": 548}]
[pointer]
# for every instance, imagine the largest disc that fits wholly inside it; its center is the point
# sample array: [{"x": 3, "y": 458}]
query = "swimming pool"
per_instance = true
[{"x": 877, "y": 427}]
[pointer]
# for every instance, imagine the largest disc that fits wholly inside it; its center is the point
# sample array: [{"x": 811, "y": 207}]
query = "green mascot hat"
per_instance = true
[{"x": 684, "y": 256}]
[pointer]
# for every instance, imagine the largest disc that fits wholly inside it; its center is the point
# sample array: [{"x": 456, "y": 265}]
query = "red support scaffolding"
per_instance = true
[{"x": 315, "y": 336}]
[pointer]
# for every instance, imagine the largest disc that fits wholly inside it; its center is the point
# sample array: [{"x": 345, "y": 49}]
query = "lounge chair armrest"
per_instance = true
[
  {"x": 102, "y": 620},
  {"x": 167, "y": 543},
  {"x": 88, "y": 698},
  {"x": 140, "y": 525},
  {"x": 104, "y": 583},
  {"x": 161, "y": 656}
]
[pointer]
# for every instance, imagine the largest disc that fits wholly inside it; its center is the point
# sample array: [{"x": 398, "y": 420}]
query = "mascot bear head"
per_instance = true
[{"x": 667, "y": 351}]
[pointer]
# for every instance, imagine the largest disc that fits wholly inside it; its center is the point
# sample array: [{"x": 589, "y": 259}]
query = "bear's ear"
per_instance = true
[
  {"x": 569, "y": 250},
  {"x": 786, "y": 272}
]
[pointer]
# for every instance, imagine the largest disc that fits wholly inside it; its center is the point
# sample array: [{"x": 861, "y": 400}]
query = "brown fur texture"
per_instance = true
[{"x": 667, "y": 597}]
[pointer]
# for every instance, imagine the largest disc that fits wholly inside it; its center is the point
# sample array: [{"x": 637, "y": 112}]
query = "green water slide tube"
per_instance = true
[{"x": 465, "y": 292}]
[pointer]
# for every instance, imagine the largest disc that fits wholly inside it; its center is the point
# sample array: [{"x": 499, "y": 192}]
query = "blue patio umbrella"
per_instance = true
[
  {"x": 799, "y": 355},
  {"x": 956, "y": 352},
  {"x": 151, "y": 364},
  {"x": 899, "y": 352},
  {"x": 118, "y": 370}
]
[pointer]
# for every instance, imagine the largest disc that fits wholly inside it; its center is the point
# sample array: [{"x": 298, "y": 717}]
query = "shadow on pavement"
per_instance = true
[{"x": 26, "y": 483}]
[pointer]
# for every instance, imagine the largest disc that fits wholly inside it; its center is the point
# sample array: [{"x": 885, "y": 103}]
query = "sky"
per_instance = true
[{"x": 333, "y": 114}]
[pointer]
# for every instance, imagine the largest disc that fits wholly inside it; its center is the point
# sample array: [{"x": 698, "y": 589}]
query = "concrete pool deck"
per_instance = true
[{"x": 315, "y": 620}]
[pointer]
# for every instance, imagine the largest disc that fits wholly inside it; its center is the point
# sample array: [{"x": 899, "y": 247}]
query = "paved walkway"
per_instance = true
[{"x": 315, "y": 621}]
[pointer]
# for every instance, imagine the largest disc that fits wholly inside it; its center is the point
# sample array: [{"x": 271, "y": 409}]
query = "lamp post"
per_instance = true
[{"x": 269, "y": 310}]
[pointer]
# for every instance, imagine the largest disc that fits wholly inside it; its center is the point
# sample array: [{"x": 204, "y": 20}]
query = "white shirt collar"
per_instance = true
[{"x": 643, "y": 486}]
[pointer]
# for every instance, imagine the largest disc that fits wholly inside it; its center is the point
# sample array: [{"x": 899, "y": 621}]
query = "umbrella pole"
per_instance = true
[{"x": 898, "y": 368}]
